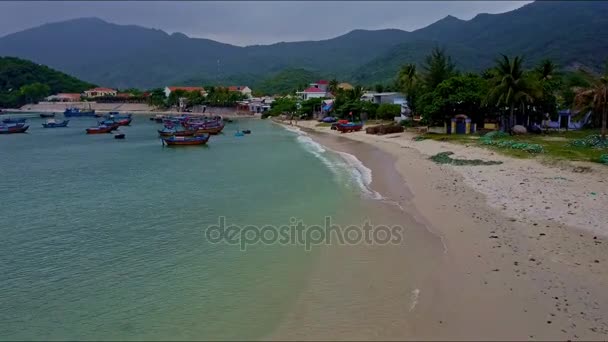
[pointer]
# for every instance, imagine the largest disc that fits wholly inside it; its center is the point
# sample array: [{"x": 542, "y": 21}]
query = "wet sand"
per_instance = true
[{"x": 464, "y": 271}]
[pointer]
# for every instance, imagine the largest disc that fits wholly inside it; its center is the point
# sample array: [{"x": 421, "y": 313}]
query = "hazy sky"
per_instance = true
[{"x": 250, "y": 22}]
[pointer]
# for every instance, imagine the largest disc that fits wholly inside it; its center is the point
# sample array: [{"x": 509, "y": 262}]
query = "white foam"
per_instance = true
[
  {"x": 414, "y": 299},
  {"x": 363, "y": 174},
  {"x": 345, "y": 164}
]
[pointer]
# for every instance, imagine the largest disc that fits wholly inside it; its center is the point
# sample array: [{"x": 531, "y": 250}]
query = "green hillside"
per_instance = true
[{"x": 17, "y": 76}]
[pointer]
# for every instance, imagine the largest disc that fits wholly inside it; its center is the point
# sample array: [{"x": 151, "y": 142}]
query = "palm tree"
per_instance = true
[
  {"x": 509, "y": 86},
  {"x": 438, "y": 67},
  {"x": 333, "y": 85},
  {"x": 407, "y": 77},
  {"x": 594, "y": 97},
  {"x": 355, "y": 93},
  {"x": 546, "y": 70}
]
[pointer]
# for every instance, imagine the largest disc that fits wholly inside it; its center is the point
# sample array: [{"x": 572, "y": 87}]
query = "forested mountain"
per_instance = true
[
  {"x": 569, "y": 32},
  {"x": 20, "y": 78}
]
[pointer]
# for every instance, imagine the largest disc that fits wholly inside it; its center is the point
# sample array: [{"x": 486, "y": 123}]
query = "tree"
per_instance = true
[
  {"x": 438, "y": 67},
  {"x": 333, "y": 85},
  {"x": 594, "y": 98},
  {"x": 379, "y": 88},
  {"x": 310, "y": 106},
  {"x": 157, "y": 98},
  {"x": 34, "y": 92},
  {"x": 355, "y": 93},
  {"x": 408, "y": 82},
  {"x": 509, "y": 87},
  {"x": 282, "y": 105},
  {"x": 388, "y": 111},
  {"x": 549, "y": 83}
]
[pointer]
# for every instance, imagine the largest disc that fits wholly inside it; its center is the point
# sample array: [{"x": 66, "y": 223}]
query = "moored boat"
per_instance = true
[
  {"x": 76, "y": 112},
  {"x": 53, "y": 124},
  {"x": 13, "y": 128},
  {"x": 110, "y": 123},
  {"x": 119, "y": 136},
  {"x": 14, "y": 121},
  {"x": 99, "y": 130},
  {"x": 169, "y": 132},
  {"x": 180, "y": 141},
  {"x": 47, "y": 115}
]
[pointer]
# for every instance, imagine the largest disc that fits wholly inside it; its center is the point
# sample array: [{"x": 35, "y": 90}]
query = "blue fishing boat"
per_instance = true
[
  {"x": 13, "y": 128},
  {"x": 76, "y": 112},
  {"x": 13, "y": 120},
  {"x": 180, "y": 141},
  {"x": 53, "y": 124}
]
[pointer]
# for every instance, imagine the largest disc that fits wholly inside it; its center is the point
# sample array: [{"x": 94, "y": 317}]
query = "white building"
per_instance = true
[
  {"x": 99, "y": 92},
  {"x": 245, "y": 90}
]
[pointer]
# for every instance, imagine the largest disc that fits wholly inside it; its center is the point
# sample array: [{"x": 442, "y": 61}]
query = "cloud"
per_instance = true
[{"x": 250, "y": 22}]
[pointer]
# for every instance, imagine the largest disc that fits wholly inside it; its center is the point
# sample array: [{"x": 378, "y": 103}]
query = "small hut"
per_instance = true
[{"x": 461, "y": 124}]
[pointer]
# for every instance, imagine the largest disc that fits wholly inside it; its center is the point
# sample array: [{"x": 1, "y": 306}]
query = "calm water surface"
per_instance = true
[{"x": 104, "y": 239}]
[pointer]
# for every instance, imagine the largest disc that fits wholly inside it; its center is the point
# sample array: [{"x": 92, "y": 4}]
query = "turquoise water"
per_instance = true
[{"x": 104, "y": 239}]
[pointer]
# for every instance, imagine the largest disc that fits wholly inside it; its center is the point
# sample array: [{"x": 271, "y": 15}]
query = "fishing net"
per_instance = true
[
  {"x": 604, "y": 159},
  {"x": 591, "y": 141},
  {"x": 444, "y": 158}
]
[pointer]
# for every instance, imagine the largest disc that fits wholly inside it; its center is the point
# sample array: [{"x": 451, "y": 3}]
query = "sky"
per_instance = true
[{"x": 250, "y": 22}]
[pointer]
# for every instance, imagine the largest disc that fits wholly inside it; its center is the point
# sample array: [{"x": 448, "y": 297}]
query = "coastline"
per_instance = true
[{"x": 506, "y": 273}]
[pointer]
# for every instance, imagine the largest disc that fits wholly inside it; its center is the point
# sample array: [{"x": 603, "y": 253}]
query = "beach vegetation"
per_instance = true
[
  {"x": 594, "y": 97},
  {"x": 388, "y": 111}
]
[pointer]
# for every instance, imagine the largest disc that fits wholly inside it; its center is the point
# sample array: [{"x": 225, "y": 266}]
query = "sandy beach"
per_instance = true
[{"x": 501, "y": 252}]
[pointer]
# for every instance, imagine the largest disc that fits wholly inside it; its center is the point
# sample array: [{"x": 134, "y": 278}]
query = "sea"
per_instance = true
[{"x": 109, "y": 239}]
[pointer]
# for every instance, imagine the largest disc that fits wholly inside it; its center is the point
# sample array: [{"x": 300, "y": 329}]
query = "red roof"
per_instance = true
[
  {"x": 236, "y": 88},
  {"x": 102, "y": 90},
  {"x": 314, "y": 90},
  {"x": 322, "y": 82},
  {"x": 188, "y": 89}
]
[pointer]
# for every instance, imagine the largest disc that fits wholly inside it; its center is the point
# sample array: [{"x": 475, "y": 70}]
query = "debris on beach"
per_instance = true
[
  {"x": 444, "y": 158},
  {"x": 419, "y": 138}
]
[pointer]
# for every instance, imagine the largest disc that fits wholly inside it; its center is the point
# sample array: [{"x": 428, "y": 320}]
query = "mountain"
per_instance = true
[
  {"x": 569, "y": 32},
  {"x": 15, "y": 73}
]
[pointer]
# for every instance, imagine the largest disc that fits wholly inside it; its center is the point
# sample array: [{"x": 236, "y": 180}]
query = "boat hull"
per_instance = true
[
  {"x": 56, "y": 125},
  {"x": 78, "y": 113},
  {"x": 43, "y": 115},
  {"x": 349, "y": 127},
  {"x": 167, "y": 134},
  {"x": 186, "y": 141},
  {"x": 99, "y": 130},
  {"x": 13, "y": 129}
]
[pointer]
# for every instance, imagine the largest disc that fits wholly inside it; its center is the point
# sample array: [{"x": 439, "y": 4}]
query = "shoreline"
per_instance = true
[{"x": 543, "y": 278}]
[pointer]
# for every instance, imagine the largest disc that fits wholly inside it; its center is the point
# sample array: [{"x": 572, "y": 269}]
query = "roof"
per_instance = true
[
  {"x": 236, "y": 88},
  {"x": 124, "y": 95},
  {"x": 188, "y": 89},
  {"x": 102, "y": 89},
  {"x": 322, "y": 82},
  {"x": 345, "y": 86},
  {"x": 313, "y": 90},
  {"x": 68, "y": 95}
]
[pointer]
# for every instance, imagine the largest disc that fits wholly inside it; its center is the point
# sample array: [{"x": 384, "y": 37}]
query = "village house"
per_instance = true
[
  {"x": 99, "y": 92},
  {"x": 169, "y": 90},
  {"x": 64, "y": 97},
  {"x": 316, "y": 90},
  {"x": 245, "y": 90}
]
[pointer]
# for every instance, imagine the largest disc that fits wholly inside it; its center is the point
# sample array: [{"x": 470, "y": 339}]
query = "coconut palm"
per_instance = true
[
  {"x": 355, "y": 93},
  {"x": 509, "y": 87},
  {"x": 407, "y": 77},
  {"x": 333, "y": 85},
  {"x": 546, "y": 70},
  {"x": 594, "y": 97}
]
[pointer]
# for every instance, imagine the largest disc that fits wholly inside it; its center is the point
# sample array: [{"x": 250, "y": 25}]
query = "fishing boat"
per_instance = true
[
  {"x": 158, "y": 118},
  {"x": 110, "y": 123},
  {"x": 239, "y": 134},
  {"x": 181, "y": 141},
  {"x": 119, "y": 136},
  {"x": 211, "y": 127},
  {"x": 349, "y": 126},
  {"x": 13, "y": 120},
  {"x": 13, "y": 128},
  {"x": 246, "y": 131},
  {"x": 51, "y": 123},
  {"x": 76, "y": 112},
  {"x": 117, "y": 116},
  {"x": 169, "y": 132},
  {"x": 101, "y": 129},
  {"x": 47, "y": 115}
]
